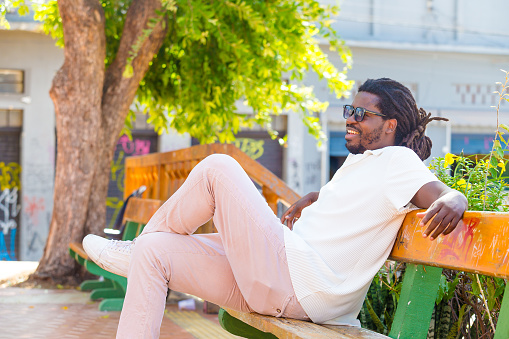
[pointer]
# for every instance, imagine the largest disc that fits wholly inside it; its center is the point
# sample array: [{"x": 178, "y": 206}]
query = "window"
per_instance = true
[
  {"x": 11, "y": 81},
  {"x": 11, "y": 118}
]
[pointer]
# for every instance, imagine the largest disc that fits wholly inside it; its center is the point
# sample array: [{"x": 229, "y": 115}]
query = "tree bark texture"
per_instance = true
[{"x": 91, "y": 104}]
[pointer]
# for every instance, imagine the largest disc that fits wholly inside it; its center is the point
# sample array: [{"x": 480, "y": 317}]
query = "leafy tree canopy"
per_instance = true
[{"x": 217, "y": 53}]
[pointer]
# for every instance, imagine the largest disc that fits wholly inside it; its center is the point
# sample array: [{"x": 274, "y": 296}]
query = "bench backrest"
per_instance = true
[
  {"x": 479, "y": 245},
  {"x": 164, "y": 173},
  {"x": 137, "y": 214}
]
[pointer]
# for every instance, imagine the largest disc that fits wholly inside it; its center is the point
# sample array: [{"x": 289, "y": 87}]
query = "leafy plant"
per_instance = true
[
  {"x": 8, "y": 6},
  {"x": 482, "y": 180},
  {"x": 380, "y": 303}
]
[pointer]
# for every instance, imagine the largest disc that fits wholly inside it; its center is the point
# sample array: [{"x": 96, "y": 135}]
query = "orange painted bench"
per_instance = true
[{"x": 480, "y": 245}]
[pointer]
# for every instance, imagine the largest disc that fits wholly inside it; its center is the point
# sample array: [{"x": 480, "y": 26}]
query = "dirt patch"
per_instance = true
[{"x": 14, "y": 281}]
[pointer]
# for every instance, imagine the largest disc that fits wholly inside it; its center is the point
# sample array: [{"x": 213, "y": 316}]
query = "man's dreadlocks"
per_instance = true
[{"x": 397, "y": 102}]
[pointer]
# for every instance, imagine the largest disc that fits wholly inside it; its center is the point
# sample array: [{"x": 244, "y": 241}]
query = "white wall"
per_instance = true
[
  {"x": 172, "y": 141},
  {"x": 303, "y": 160},
  {"x": 37, "y": 55},
  {"x": 438, "y": 22}
]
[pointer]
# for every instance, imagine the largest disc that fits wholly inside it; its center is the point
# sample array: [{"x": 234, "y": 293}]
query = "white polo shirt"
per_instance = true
[{"x": 342, "y": 240}]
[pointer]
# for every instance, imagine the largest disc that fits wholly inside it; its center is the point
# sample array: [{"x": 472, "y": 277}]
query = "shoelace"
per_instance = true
[{"x": 120, "y": 246}]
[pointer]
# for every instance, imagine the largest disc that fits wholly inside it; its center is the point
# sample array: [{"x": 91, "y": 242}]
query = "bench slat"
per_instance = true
[
  {"x": 296, "y": 329},
  {"x": 480, "y": 245},
  {"x": 141, "y": 210},
  {"x": 78, "y": 249}
]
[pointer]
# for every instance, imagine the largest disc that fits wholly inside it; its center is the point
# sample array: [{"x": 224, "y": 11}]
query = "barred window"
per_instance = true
[
  {"x": 12, "y": 81},
  {"x": 11, "y": 118}
]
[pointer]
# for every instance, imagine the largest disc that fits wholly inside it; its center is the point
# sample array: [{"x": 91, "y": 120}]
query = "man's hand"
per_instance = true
[
  {"x": 292, "y": 214},
  {"x": 445, "y": 208}
]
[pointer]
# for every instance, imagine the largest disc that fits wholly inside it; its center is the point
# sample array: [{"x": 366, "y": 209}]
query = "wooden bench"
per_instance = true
[
  {"x": 481, "y": 245},
  {"x": 111, "y": 287}
]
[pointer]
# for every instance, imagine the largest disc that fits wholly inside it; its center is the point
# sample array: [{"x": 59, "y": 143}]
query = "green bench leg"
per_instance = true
[
  {"x": 502, "y": 331},
  {"x": 107, "y": 293},
  {"x": 415, "y": 306},
  {"x": 89, "y": 285},
  {"x": 111, "y": 304},
  {"x": 240, "y": 328}
]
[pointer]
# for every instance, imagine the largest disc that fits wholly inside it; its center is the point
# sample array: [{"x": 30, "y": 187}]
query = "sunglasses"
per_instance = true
[{"x": 349, "y": 110}]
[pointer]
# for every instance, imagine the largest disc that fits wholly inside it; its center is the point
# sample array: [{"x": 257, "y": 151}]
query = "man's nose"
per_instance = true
[{"x": 351, "y": 119}]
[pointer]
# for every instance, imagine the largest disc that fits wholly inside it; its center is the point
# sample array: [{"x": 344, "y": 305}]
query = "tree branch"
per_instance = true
[{"x": 118, "y": 91}]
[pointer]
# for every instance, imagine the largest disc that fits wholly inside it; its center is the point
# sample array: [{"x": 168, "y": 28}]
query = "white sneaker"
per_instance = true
[{"x": 112, "y": 255}]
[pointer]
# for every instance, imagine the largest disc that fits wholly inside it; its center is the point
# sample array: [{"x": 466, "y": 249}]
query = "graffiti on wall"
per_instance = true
[
  {"x": 252, "y": 147},
  {"x": 294, "y": 177},
  {"x": 9, "y": 175},
  {"x": 35, "y": 218},
  {"x": 124, "y": 148},
  {"x": 33, "y": 207},
  {"x": 312, "y": 172},
  {"x": 9, "y": 209}
]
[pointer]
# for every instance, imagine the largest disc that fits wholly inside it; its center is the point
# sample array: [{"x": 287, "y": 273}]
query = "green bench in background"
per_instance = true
[{"x": 111, "y": 287}]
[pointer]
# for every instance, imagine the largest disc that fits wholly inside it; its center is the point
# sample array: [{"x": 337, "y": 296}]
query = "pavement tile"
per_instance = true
[{"x": 39, "y": 313}]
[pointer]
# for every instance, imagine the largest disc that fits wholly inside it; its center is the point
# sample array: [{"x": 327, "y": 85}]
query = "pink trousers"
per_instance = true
[{"x": 242, "y": 267}]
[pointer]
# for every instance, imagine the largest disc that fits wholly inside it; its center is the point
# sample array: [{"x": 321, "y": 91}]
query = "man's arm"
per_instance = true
[
  {"x": 445, "y": 206},
  {"x": 294, "y": 211}
]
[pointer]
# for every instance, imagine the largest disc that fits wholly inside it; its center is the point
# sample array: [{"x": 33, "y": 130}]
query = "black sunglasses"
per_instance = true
[{"x": 348, "y": 110}]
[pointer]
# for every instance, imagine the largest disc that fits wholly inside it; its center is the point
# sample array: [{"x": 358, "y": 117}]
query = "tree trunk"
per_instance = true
[{"x": 91, "y": 104}]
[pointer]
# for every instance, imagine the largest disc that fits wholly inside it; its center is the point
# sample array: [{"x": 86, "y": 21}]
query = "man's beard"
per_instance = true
[{"x": 365, "y": 140}]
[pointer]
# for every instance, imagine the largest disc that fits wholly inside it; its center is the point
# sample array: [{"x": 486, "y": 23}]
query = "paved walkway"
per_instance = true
[{"x": 64, "y": 313}]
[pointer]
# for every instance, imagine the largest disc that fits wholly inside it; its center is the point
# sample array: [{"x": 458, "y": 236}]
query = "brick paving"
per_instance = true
[{"x": 40, "y": 313}]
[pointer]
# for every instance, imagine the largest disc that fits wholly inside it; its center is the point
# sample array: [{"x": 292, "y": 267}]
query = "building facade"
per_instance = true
[{"x": 27, "y": 141}]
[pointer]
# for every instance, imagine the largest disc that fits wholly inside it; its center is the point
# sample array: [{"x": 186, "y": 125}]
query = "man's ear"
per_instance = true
[{"x": 390, "y": 126}]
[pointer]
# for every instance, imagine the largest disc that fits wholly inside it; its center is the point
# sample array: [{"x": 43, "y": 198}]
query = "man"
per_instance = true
[{"x": 318, "y": 271}]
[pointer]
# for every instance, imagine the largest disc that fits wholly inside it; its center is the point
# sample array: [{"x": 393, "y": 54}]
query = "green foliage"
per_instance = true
[
  {"x": 482, "y": 181},
  {"x": 472, "y": 307},
  {"x": 8, "y": 6},
  {"x": 446, "y": 289},
  {"x": 380, "y": 303},
  {"x": 216, "y": 54},
  {"x": 52, "y": 22}
]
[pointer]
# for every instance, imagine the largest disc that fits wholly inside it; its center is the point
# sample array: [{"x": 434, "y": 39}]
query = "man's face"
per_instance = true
[{"x": 372, "y": 132}]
